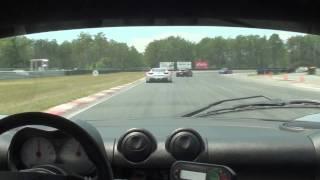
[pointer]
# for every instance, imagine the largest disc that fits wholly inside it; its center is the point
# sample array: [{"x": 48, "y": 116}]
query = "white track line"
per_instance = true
[
  {"x": 138, "y": 82},
  {"x": 307, "y": 86}
]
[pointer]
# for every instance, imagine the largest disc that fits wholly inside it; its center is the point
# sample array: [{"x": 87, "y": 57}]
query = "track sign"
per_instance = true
[
  {"x": 95, "y": 73},
  {"x": 201, "y": 64},
  {"x": 168, "y": 65},
  {"x": 184, "y": 65}
]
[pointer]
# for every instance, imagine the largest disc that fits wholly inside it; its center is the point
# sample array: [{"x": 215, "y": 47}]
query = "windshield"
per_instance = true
[{"x": 104, "y": 73}]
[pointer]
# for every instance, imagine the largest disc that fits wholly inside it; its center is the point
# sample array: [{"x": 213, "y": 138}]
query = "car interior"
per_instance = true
[{"x": 176, "y": 148}]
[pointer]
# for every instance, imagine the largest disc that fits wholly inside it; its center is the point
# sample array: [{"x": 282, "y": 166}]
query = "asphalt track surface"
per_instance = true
[{"x": 154, "y": 100}]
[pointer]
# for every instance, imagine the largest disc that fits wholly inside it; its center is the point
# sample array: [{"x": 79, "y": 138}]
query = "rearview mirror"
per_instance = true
[{"x": 182, "y": 170}]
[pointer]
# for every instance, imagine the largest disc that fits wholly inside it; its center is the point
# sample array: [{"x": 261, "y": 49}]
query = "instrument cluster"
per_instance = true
[{"x": 34, "y": 147}]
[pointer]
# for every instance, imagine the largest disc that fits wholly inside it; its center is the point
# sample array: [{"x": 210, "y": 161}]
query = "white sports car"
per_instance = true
[{"x": 159, "y": 74}]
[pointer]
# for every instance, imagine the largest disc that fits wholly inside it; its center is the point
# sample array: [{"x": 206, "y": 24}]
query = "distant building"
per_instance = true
[{"x": 39, "y": 64}]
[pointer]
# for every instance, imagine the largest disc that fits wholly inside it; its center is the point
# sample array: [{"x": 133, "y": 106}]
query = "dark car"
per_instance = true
[
  {"x": 184, "y": 73},
  {"x": 225, "y": 71}
]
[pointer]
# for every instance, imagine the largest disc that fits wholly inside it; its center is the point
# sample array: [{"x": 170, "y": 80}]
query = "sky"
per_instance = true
[{"x": 139, "y": 37}]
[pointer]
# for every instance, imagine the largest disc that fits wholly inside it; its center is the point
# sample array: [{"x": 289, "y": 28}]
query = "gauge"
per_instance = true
[
  {"x": 37, "y": 151},
  {"x": 73, "y": 156}
]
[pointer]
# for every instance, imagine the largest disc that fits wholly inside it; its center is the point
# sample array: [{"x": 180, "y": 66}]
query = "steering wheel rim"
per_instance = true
[{"x": 94, "y": 152}]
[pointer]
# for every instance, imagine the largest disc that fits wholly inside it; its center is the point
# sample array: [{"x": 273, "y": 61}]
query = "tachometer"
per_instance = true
[
  {"x": 73, "y": 156},
  {"x": 37, "y": 151}
]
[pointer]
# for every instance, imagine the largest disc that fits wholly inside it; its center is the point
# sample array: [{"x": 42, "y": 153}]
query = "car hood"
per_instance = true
[
  {"x": 241, "y": 119},
  {"x": 282, "y": 114}
]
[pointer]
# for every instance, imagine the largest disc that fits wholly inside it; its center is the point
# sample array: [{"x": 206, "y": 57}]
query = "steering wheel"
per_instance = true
[{"x": 94, "y": 152}]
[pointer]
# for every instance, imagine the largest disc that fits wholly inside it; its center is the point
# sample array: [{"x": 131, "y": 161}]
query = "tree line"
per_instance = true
[
  {"x": 240, "y": 52},
  {"x": 85, "y": 52},
  {"x": 98, "y": 52}
]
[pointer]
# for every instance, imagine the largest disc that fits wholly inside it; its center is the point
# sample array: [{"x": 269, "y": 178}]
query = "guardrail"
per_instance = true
[
  {"x": 28, "y": 74},
  {"x": 274, "y": 70},
  {"x": 22, "y": 74}
]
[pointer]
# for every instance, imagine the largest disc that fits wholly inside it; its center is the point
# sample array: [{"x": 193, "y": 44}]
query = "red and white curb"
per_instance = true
[{"x": 63, "y": 109}]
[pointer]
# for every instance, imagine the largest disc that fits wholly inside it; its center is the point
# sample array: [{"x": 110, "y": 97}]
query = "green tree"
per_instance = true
[
  {"x": 44, "y": 49},
  {"x": 277, "y": 50},
  {"x": 215, "y": 50},
  {"x": 97, "y": 51},
  {"x": 169, "y": 49},
  {"x": 65, "y": 56},
  {"x": 81, "y": 48},
  {"x": 135, "y": 59},
  {"x": 15, "y": 52}
]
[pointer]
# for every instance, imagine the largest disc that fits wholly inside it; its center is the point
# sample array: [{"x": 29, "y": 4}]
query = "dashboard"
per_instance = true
[
  {"x": 254, "y": 150},
  {"x": 31, "y": 147}
]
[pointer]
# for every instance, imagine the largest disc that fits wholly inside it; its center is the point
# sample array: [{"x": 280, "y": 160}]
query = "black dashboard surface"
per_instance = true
[
  {"x": 253, "y": 148},
  {"x": 229, "y": 141},
  {"x": 19, "y": 17}
]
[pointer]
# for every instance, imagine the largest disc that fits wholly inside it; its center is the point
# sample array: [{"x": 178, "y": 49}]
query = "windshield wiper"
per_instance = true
[
  {"x": 220, "y": 102},
  {"x": 265, "y": 105}
]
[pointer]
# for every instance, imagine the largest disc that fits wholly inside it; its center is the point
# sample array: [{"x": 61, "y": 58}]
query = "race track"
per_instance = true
[{"x": 184, "y": 95}]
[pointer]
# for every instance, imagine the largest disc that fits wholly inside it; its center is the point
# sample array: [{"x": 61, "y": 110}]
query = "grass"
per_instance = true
[{"x": 39, "y": 94}]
